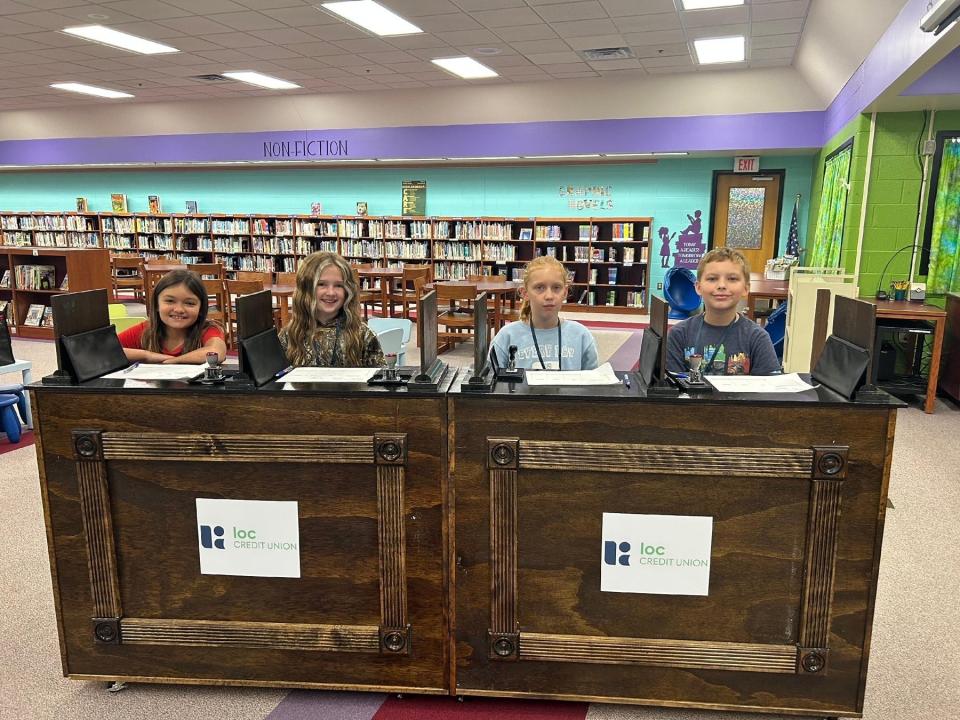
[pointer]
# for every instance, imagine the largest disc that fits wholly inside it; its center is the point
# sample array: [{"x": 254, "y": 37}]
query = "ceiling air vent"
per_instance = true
[
  {"x": 616, "y": 53},
  {"x": 213, "y": 77}
]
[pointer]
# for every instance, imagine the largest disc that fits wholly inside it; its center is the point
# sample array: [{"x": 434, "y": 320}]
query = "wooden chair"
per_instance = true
[
  {"x": 208, "y": 271},
  {"x": 255, "y": 275},
  {"x": 286, "y": 278},
  {"x": 508, "y": 308},
  {"x": 403, "y": 292},
  {"x": 126, "y": 273},
  {"x": 217, "y": 306},
  {"x": 456, "y": 319},
  {"x": 369, "y": 298},
  {"x": 161, "y": 260},
  {"x": 151, "y": 278},
  {"x": 235, "y": 289}
]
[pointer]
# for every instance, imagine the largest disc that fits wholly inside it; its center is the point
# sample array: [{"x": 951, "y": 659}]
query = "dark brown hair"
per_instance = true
[{"x": 155, "y": 332}]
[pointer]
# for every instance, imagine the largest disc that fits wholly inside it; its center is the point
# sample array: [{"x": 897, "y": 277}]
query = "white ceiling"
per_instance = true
[{"x": 528, "y": 41}]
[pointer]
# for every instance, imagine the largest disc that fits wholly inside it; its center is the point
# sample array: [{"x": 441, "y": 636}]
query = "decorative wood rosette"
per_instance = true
[
  {"x": 387, "y": 452},
  {"x": 824, "y": 467}
]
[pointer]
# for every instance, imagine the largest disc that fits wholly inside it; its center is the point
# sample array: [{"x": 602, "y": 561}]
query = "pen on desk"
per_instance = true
[
  {"x": 135, "y": 365},
  {"x": 626, "y": 380}
]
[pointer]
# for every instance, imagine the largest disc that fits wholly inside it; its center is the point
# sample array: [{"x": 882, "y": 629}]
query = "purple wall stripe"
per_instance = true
[
  {"x": 709, "y": 133},
  {"x": 942, "y": 79},
  {"x": 316, "y": 704}
]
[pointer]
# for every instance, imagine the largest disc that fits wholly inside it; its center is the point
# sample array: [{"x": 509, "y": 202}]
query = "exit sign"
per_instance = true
[{"x": 746, "y": 164}]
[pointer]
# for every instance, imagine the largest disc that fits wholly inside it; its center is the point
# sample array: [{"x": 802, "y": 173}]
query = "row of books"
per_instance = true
[
  {"x": 499, "y": 251},
  {"x": 609, "y": 298},
  {"x": 34, "y": 277},
  {"x": 48, "y": 222},
  {"x": 482, "y": 230},
  {"x": 39, "y": 316},
  {"x": 259, "y": 263},
  {"x": 69, "y": 239},
  {"x": 263, "y": 226},
  {"x": 305, "y": 247},
  {"x": 456, "y": 251},
  {"x": 455, "y": 270}
]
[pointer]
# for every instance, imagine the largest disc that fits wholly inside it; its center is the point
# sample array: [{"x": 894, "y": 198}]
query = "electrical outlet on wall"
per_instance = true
[
  {"x": 929, "y": 147},
  {"x": 659, "y": 286}
]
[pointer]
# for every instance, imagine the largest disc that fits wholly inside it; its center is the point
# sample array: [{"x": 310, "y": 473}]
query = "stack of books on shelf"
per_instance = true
[
  {"x": 36, "y": 277},
  {"x": 456, "y": 250},
  {"x": 352, "y": 228},
  {"x": 549, "y": 232},
  {"x": 407, "y": 249},
  {"x": 468, "y": 230},
  {"x": 588, "y": 232},
  {"x": 5, "y": 278},
  {"x": 635, "y": 298},
  {"x": 622, "y": 231},
  {"x": 233, "y": 226},
  {"x": 363, "y": 248},
  {"x": 17, "y": 239},
  {"x": 305, "y": 247}
]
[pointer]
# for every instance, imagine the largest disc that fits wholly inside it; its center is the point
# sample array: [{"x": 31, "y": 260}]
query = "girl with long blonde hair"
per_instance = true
[
  {"x": 543, "y": 341},
  {"x": 325, "y": 328}
]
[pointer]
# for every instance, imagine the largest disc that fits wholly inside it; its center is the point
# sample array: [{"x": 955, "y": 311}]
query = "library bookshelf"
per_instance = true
[
  {"x": 607, "y": 259},
  {"x": 26, "y": 287}
]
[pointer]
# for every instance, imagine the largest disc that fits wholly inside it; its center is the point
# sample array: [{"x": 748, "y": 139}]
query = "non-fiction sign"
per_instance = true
[
  {"x": 257, "y": 538},
  {"x": 656, "y": 554}
]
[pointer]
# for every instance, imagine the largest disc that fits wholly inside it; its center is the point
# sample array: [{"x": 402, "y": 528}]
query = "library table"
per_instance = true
[
  {"x": 576, "y": 569},
  {"x": 384, "y": 276},
  {"x": 283, "y": 295},
  {"x": 763, "y": 289},
  {"x": 936, "y": 316},
  {"x": 123, "y": 466},
  {"x": 499, "y": 290}
]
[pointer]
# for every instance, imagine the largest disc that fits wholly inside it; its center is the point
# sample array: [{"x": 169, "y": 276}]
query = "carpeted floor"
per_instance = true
[{"x": 914, "y": 665}]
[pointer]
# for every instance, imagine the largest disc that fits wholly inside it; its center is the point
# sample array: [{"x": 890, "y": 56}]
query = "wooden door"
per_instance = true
[{"x": 747, "y": 215}]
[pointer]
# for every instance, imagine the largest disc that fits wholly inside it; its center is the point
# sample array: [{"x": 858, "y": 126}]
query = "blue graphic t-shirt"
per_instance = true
[{"x": 743, "y": 348}]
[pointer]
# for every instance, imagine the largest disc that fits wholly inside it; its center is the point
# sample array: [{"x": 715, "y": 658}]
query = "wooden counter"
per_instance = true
[
  {"x": 121, "y": 468},
  {"x": 796, "y": 489}
]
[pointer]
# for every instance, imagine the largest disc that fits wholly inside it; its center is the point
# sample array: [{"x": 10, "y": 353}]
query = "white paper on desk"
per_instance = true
[
  {"x": 789, "y": 383},
  {"x": 603, "y": 375},
  {"x": 146, "y": 371},
  {"x": 328, "y": 375}
]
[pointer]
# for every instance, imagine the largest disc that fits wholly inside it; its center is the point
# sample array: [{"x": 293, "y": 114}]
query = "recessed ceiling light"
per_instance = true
[
  {"x": 90, "y": 90},
  {"x": 720, "y": 50},
  {"x": 487, "y": 51},
  {"x": 260, "y": 80},
  {"x": 707, "y": 4},
  {"x": 122, "y": 40},
  {"x": 373, "y": 17},
  {"x": 465, "y": 67}
]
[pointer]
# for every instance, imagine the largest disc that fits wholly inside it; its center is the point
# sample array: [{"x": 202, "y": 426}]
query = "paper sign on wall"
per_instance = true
[
  {"x": 657, "y": 554},
  {"x": 256, "y": 538}
]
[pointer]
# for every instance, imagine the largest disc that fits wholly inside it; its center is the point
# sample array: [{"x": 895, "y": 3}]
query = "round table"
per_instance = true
[{"x": 499, "y": 290}]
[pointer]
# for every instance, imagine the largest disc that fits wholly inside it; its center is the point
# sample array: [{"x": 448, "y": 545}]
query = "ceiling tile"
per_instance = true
[
  {"x": 479, "y": 37},
  {"x": 472, "y": 5},
  {"x": 413, "y": 42},
  {"x": 301, "y": 15},
  {"x": 247, "y": 20},
  {"x": 282, "y": 37},
  {"x": 718, "y": 16},
  {"x": 780, "y": 10},
  {"x": 393, "y": 58},
  {"x": 780, "y": 53},
  {"x": 777, "y": 27},
  {"x": 416, "y": 8},
  {"x": 526, "y": 32},
  {"x": 661, "y": 37},
  {"x": 8, "y": 7},
  {"x": 195, "y": 25},
  {"x": 715, "y": 31},
  {"x": 345, "y": 61},
  {"x": 659, "y": 51},
  {"x": 578, "y": 28},
  {"x": 617, "y": 8},
  {"x": 225, "y": 56},
  {"x": 235, "y": 40},
  {"x": 302, "y": 63},
  {"x": 83, "y": 11},
  {"x": 191, "y": 44},
  {"x": 586, "y": 10},
  {"x": 596, "y": 41},
  {"x": 269, "y": 4},
  {"x": 770, "y": 63},
  {"x": 19, "y": 44},
  {"x": 661, "y": 62},
  {"x": 540, "y": 46},
  {"x": 566, "y": 67},
  {"x": 271, "y": 52},
  {"x": 626, "y": 64},
  {"x": 365, "y": 45},
  {"x": 507, "y": 18},
  {"x": 649, "y": 23},
  {"x": 554, "y": 58},
  {"x": 770, "y": 41},
  {"x": 449, "y": 21},
  {"x": 34, "y": 21},
  {"x": 337, "y": 31},
  {"x": 149, "y": 30},
  {"x": 207, "y": 7}
]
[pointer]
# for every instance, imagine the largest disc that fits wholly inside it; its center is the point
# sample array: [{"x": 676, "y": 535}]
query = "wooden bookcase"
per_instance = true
[
  {"x": 87, "y": 269},
  {"x": 606, "y": 257}
]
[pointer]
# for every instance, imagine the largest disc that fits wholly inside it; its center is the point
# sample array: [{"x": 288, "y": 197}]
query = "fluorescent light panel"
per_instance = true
[
  {"x": 261, "y": 80},
  {"x": 557, "y": 157},
  {"x": 720, "y": 50},
  {"x": 373, "y": 17},
  {"x": 465, "y": 67},
  {"x": 490, "y": 157},
  {"x": 708, "y": 4},
  {"x": 122, "y": 40},
  {"x": 408, "y": 160},
  {"x": 91, "y": 90}
]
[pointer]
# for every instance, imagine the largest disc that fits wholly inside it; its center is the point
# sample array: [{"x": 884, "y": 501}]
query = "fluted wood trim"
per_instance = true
[
  {"x": 503, "y": 551},
  {"x": 98, "y": 529},
  {"x": 665, "y": 459},
  {"x": 822, "y": 526},
  {"x": 743, "y": 657},
  {"x": 393, "y": 575},
  {"x": 272, "y": 636},
  {"x": 340, "y": 449}
]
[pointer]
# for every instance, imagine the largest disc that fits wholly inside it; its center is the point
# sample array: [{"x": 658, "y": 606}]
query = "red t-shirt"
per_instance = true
[{"x": 130, "y": 338}]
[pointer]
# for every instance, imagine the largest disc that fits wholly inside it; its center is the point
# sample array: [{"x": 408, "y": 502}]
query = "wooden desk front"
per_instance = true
[
  {"x": 905, "y": 310},
  {"x": 797, "y": 494},
  {"x": 121, "y": 469}
]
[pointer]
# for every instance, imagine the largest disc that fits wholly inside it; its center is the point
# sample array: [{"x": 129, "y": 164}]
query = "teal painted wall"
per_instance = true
[{"x": 666, "y": 190}]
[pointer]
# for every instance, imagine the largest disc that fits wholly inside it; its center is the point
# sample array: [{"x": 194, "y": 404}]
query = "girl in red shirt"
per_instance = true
[{"x": 178, "y": 330}]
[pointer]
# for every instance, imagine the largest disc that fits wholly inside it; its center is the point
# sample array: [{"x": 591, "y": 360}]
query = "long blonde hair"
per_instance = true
[
  {"x": 544, "y": 262},
  {"x": 304, "y": 328}
]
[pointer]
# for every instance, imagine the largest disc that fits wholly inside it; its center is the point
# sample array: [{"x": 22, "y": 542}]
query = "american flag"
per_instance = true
[{"x": 793, "y": 237}]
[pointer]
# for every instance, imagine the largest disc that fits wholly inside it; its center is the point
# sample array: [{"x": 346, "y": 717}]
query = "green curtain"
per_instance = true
[
  {"x": 833, "y": 206},
  {"x": 943, "y": 275}
]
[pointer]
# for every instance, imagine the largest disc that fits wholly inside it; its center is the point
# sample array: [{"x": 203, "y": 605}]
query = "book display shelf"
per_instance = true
[
  {"x": 606, "y": 258},
  {"x": 30, "y": 276}
]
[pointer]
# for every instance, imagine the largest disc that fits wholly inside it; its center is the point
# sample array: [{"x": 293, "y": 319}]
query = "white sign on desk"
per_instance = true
[
  {"x": 254, "y": 538},
  {"x": 656, "y": 554}
]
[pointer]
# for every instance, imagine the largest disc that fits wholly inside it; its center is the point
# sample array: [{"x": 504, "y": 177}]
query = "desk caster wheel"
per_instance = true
[
  {"x": 460, "y": 698},
  {"x": 399, "y": 696},
  {"x": 116, "y": 686}
]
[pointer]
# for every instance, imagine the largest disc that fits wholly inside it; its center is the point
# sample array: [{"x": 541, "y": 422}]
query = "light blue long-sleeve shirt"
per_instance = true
[{"x": 579, "y": 348}]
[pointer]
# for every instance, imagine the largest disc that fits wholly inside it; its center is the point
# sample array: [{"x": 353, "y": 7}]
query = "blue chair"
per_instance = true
[
  {"x": 391, "y": 341},
  {"x": 9, "y": 420},
  {"x": 21, "y": 395},
  {"x": 776, "y": 327},
  {"x": 379, "y": 325},
  {"x": 680, "y": 293}
]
